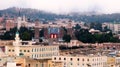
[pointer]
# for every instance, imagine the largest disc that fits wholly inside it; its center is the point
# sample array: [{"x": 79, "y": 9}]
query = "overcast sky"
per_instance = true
[{"x": 65, "y": 6}]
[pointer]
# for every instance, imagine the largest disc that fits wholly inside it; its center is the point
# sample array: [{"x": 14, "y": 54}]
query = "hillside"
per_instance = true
[{"x": 33, "y": 14}]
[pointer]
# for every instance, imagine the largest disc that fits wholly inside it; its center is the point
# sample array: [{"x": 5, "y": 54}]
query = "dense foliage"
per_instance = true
[
  {"x": 86, "y": 37},
  {"x": 24, "y": 33},
  {"x": 67, "y": 38}
]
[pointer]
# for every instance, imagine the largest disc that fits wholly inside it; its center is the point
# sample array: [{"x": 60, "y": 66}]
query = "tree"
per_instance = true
[
  {"x": 86, "y": 37},
  {"x": 40, "y": 40},
  {"x": 106, "y": 29},
  {"x": 42, "y": 33},
  {"x": 9, "y": 35},
  {"x": 67, "y": 38},
  {"x": 97, "y": 26},
  {"x": 25, "y": 33},
  {"x": 77, "y": 26},
  {"x": 26, "y": 36},
  {"x": 6, "y": 36},
  {"x": 65, "y": 30}
]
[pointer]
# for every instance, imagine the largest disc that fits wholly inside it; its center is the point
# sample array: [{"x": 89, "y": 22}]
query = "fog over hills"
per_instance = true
[{"x": 33, "y": 14}]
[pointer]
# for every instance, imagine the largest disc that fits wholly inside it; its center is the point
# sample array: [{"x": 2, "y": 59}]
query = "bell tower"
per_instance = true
[{"x": 17, "y": 44}]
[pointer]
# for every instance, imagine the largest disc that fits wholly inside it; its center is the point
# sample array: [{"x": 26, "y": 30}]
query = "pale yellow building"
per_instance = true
[
  {"x": 113, "y": 61},
  {"x": 27, "y": 62},
  {"x": 31, "y": 49},
  {"x": 30, "y": 54},
  {"x": 81, "y": 61}
]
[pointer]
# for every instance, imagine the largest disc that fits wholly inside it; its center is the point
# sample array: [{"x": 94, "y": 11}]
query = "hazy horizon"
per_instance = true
[{"x": 65, "y": 6}]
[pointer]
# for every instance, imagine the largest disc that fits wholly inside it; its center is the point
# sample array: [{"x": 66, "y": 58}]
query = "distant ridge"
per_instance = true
[{"x": 33, "y": 14}]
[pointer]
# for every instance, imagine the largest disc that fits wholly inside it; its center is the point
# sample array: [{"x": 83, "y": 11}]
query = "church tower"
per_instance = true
[
  {"x": 17, "y": 44},
  {"x": 19, "y": 20}
]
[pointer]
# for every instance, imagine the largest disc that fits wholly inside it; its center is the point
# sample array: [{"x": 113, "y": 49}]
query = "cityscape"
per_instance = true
[{"x": 64, "y": 33}]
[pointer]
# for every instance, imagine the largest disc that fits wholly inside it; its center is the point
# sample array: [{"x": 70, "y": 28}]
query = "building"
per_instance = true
[
  {"x": 111, "y": 46},
  {"x": 117, "y": 61},
  {"x": 11, "y": 64},
  {"x": 115, "y": 27},
  {"x": 27, "y": 62},
  {"x": 35, "y": 51},
  {"x": 81, "y": 61},
  {"x": 1, "y": 19},
  {"x": 94, "y": 31},
  {"x": 53, "y": 33},
  {"x": 57, "y": 33},
  {"x": 28, "y": 53},
  {"x": 72, "y": 43},
  {"x": 37, "y": 31},
  {"x": 113, "y": 61},
  {"x": 3, "y": 57},
  {"x": 10, "y": 23},
  {"x": 21, "y": 22}
]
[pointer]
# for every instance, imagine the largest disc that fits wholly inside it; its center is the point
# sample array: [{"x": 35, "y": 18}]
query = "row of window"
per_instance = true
[
  {"x": 44, "y": 55},
  {"x": 97, "y": 59},
  {"x": 41, "y": 65},
  {"x": 43, "y": 49},
  {"x": 24, "y": 50},
  {"x": 12, "y": 50},
  {"x": 95, "y": 64}
]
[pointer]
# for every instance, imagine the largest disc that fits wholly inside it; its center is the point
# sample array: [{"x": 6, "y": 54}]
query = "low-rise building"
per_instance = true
[
  {"x": 28, "y": 53},
  {"x": 27, "y": 62},
  {"x": 72, "y": 43},
  {"x": 81, "y": 61},
  {"x": 117, "y": 61},
  {"x": 31, "y": 49}
]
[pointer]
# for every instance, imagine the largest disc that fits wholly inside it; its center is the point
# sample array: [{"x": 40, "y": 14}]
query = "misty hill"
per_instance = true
[{"x": 33, "y": 14}]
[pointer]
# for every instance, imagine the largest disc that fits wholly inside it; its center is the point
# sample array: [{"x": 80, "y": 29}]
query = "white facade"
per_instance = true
[
  {"x": 11, "y": 64},
  {"x": 115, "y": 27},
  {"x": 117, "y": 61},
  {"x": 44, "y": 52},
  {"x": 81, "y": 61},
  {"x": 21, "y": 21}
]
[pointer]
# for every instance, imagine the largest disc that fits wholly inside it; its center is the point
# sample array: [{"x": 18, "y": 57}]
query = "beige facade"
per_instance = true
[
  {"x": 113, "y": 61},
  {"x": 35, "y": 52},
  {"x": 71, "y": 44},
  {"x": 30, "y": 50},
  {"x": 27, "y": 62},
  {"x": 30, "y": 54},
  {"x": 81, "y": 61}
]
